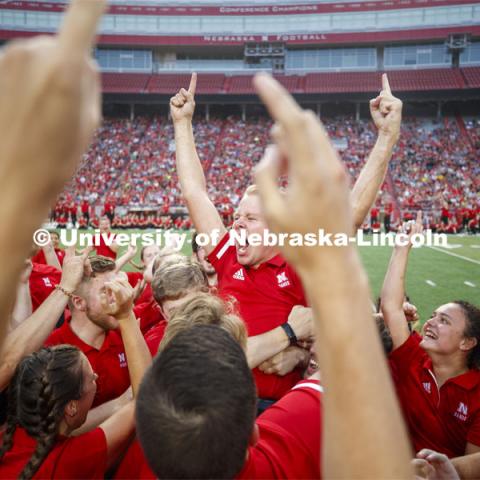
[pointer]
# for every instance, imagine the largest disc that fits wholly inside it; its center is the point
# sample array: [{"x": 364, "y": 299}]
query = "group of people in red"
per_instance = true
[{"x": 237, "y": 361}]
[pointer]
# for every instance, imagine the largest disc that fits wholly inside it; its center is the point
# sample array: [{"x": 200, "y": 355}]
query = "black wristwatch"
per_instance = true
[{"x": 292, "y": 338}]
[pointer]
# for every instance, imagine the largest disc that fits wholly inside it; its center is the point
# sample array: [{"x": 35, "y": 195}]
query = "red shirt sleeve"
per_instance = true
[
  {"x": 221, "y": 254},
  {"x": 134, "y": 464},
  {"x": 79, "y": 457},
  {"x": 289, "y": 444},
  {"x": 402, "y": 358}
]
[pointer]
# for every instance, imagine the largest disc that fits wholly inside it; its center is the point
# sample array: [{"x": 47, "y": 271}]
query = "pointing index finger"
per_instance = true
[
  {"x": 79, "y": 26},
  {"x": 193, "y": 84},
  {"x": 278, "y": 101},
  {"x": 386, "y": 84}
]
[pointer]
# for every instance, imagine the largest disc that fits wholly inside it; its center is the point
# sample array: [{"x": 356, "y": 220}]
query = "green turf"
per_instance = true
[{"x": 447, "y": 272}]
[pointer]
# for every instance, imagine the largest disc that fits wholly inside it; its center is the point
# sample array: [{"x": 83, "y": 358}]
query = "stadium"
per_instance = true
[{"x": 330, "y": 55}]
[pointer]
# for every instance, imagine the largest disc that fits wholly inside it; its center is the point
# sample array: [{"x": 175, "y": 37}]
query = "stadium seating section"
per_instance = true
[
  {"x": 132, "y": 163},
  {"x": 335, "y": 82}
]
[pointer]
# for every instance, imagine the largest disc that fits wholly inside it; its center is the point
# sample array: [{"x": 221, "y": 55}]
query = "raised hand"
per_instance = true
[
  {"x": 117, "y": 298},
  {"x": 55, "y": 80},
  {"x": 75, "y": 267},
  {"x": 412, "y": 228},
  {"x": 182, "y": 105},
  {"x": 317, "y": 195},
  {"x": 386, "y": 111}
]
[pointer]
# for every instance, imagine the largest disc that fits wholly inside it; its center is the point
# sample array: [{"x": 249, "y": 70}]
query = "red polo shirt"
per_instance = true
[
  {"x": 148, "y": 315},
  {"x": 442, "y": 419},
  {"x": 109, "y": 362},
  {"x": 134, "y": 465},
  {"x": 289, "y": 443},
  {"x": 288, "y": 447},
  {"x": 147, "y": 294},
  {"x": 154, "y": 336},
  {"x": 40, "y": 256},
  {"x": 265, "y": 296},
  {"x": 42, "y": 282},
  {"x": 79, "y": 457},
  {"x": 104, "y": 249}
]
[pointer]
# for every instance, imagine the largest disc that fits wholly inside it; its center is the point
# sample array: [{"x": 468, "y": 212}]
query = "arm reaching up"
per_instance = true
[
  {"x": 386, "y": 111},
  {"x": 52, "y": 79},
  {"x": 202, "y": 211},
  {"x": 393, "y": 291},
  {"x": 363, "y": 432}
]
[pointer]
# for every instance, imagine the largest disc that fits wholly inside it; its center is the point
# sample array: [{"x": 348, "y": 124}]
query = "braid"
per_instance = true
[
  {"x": 11, "y": 420},
  {"x": 49, "y": 379},
  {"x": 48, "y": 425}
]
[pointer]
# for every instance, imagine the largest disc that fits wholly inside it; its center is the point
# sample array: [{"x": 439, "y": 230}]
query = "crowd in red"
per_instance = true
[{"x": 129, "y": 171}]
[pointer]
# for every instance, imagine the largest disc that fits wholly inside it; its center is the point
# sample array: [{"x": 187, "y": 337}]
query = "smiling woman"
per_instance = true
[{"x": 437, "y": 376}]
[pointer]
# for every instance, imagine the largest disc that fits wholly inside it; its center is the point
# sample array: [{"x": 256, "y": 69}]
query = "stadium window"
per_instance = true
[
  {"x": 448, "y": 15},
  {"x": 13, "y": 18},
  {"x": 476, "y": 13},
  {"x": 107, "y": 24},
  {"x": 147, "y": 23},
  {"x": 471, "y": 55},
  {"x": 400, "y": 18}
]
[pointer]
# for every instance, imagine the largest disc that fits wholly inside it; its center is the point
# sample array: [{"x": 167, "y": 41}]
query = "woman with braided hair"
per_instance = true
[{"x": 50, "y": 396}]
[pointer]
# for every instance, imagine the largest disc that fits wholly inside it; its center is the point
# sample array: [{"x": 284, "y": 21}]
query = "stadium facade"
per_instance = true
[{"x": 323, "y": 52}]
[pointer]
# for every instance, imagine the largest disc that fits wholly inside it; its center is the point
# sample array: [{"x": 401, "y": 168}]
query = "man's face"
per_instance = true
[
  {"x": 204, "y": 262},
  {"x": 249, "y": 217},
  {"x": 94, "y": 288},
  {"x": 444, "y": 331},
  {"x": 104, "y": 224}
]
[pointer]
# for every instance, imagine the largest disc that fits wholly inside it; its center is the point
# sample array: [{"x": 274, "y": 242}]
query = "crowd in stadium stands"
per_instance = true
[{"x": 131, "y": 165}]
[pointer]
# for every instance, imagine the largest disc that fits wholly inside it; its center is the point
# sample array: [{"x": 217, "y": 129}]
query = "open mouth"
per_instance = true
[
  {"x": 312, "y": 367},
  {"x": 242, "y": 249},
  {"x": 430, "y": 334}
]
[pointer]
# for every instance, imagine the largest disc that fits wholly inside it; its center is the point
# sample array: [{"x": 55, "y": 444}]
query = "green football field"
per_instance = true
[{"x": 435, "y": 275}]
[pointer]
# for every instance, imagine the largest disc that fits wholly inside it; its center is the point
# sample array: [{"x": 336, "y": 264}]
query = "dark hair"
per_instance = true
[
  {"x": 384, "y": 333},
  {"x": 196, "y": 405},
  {"x": 472, "y": 330},
  {"x": 195, "y": 246},
  {"x": 43, "y": 384},
  {"x": 101, "y": 264}
]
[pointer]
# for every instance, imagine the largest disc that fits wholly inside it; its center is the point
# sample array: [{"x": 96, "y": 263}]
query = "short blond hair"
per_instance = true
[
  {"x": 206, "y": 309},
  {"x": 176, "y": 277}
]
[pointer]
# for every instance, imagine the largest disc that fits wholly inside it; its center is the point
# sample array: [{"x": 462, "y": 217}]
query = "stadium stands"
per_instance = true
[{"x": 132, "y": 162}]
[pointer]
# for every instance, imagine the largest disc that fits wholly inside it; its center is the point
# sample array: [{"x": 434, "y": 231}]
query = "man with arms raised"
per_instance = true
[{"x": 265, "y": 286}]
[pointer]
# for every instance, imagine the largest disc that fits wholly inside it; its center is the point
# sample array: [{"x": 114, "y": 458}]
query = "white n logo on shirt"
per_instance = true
[
  {"x": 428, "y": 387},
  {"x": 462, "y": 411},
  {"x": 238, "y": 275},
  {"x": 122, "y": 359},
  {"x": 283, "y": 280},
  {"x": 47, "y": 282}
]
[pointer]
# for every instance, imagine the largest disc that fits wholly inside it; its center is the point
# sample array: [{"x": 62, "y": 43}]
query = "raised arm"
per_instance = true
[
  {"x": 393, "y": 291},
  {"x": 55, "y": 80},
  {"x": 363, "y": 432},
  {"x": 203, "y": 213},
  {"x": 386, "y": 111},
  {"x": 23, "y": 302},
  {"x": 32, "y": 333},
  {"x": 117, "y": 300}
]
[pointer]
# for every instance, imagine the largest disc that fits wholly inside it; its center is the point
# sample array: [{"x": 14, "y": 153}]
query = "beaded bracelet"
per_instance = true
[{"x": 66, "y": 292}]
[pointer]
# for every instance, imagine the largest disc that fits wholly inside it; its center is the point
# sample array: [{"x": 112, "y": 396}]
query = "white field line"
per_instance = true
[
  {"x": 471, "y": 260},
  {"x": 469, "y": 284}
]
